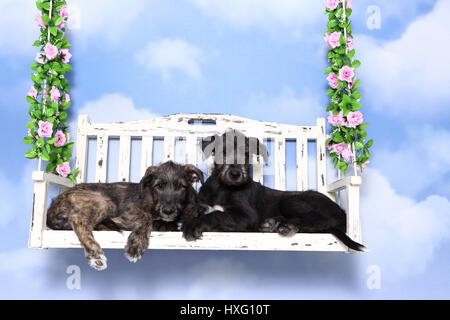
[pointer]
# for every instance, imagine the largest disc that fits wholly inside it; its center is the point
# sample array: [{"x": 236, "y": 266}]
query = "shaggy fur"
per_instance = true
[
  {"x": 232, "y": 201},
  {"x": 165, "y": 193}
]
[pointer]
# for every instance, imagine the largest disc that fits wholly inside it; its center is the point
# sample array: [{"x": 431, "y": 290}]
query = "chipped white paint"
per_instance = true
[
  {"x": 101, "y": 158},
  {"x": 179, "y": 126},
  {"x": 146, "y": 153},
  {"x": 124, "y": 158}
]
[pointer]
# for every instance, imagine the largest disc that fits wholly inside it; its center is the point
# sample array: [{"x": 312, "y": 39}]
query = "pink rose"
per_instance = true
[
  {"x": 339, "y": 148},
  {"x": 333, "y": 39},
  {"x": 63, "y": 12},
  {"x": 45, "y": 129},
  {"x": 333, "y": 80},
  {"x": 349, "y": 43},
  {"x": 33, "y": 92},
  {"x": 326, "y": 37},
  {"x": 39, "y": 21},
  {"x": 336, "y": 119},
  {"x": 39, "y": 58},
  {"x": 63, "y": 169},
  {"x": 354, "y": 119},
  {"x": 349, "y": 4},
  {"x": 346, "y": 74},
  {"x": 61, "y": 139},
  {"x": 346, "y": 154},
  {"x": 332, "y": 4},
  {"x": 61, "y": 25},
  {"x": 364, "y": 165},
  {"x": 50, "y": 51},
  {"x": 55, "y": 94},
  {"x": 66, "y": 97},
  {"x": 65, "y": 55}
]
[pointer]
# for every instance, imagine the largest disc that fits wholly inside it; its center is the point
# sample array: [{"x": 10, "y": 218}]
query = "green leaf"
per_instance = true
[
  {"x": 72, "y": 178},
  {"x": 45, "y": 5},
  {"x": 30, "y": 99},
  {"x": 57, "y": 20},
  {"x": 328, "y": 70},
  {"x": 68, "y": 67},
  {"x": 356, "y": 95},
  {"x": 357, "y": 84},
  {"x": 330, "y": 92},
  {"x": 28, "y": 140},
  {"x": 356, "y": 64},
  {"x": 337, "y": 137},
  {"x": 51, "y": 167},
  {"x": 351, "y": 53},
  {"x": 359, "y": 145},
  {"x": 31, "y": 154},
  {"x": 34, "y": 66},
  {"x": 45, "y": 156},
  {"x": 30, "y": 124},
  {"x": 369, "y": 143},
  {"x": 53, "y": 30},
  {"x": 66, "y": 105},
  {"x": 46, "y": 19}
]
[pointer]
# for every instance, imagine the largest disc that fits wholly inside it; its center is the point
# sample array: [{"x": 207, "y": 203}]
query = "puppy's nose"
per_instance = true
[
  {"x": 235, "y": 174},
  {"x": 168, "y": 211}
]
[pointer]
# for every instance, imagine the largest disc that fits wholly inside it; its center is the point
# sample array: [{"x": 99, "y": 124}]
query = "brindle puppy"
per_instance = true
[{"x": 164, "y": 193}]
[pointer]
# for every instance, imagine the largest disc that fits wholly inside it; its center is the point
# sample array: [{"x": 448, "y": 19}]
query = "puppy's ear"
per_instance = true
[
  {"x": 258, "y": 148},
  {"x": 208, "y": 145},
  {"x": 194, "y": 174},
  {"x": 148, "y": 176}
]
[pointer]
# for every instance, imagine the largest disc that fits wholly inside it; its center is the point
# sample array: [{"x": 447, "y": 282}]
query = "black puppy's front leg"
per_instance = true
[{"x": 235, "y": 219}]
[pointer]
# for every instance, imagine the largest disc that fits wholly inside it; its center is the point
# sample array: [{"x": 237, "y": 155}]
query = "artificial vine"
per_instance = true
[
  {"x": 346, "y": 143},
  {"x": 49, "y": 95}
]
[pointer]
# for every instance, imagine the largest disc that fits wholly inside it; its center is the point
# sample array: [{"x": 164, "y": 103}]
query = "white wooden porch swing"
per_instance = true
[{"x": 173, "y": 127}]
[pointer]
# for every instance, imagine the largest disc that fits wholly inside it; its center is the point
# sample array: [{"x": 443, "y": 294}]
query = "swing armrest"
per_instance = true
[
  {"x": 343, "y": 183},
  {"x": 351, "y": 185},
  {"x": 40, "y": 195},
  {"x": 40, "y": 176}
]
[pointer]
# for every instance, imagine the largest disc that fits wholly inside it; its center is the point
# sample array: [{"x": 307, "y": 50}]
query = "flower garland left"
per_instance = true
[{"x": 47, "y": 129}]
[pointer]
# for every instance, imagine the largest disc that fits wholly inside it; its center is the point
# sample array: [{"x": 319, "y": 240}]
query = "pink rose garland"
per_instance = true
[
  {"x": 45, "y": 129},
  {"x": 63, "y": 169},
  {"x": 50, "y": 51},
  {"x": 346, "y": 73}
]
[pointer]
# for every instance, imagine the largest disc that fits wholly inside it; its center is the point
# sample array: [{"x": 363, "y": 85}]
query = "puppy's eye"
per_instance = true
[
  {"x": 182, "y": 186},
  {"x": 159, "y": 185}
]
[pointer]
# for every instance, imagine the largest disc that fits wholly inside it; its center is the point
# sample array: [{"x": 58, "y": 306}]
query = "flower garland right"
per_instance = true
[{"x": 346, "y": 143}]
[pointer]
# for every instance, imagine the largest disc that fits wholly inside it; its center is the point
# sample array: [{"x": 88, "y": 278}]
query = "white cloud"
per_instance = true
[
  {"x": 420, "y": 163},
  {"x": 227, "y": 276},
  {"x": 169, "y": 55},
  {"x": 104, "y": 19},
  {"x": 272, "y": 15},
  {"x": 114, "y": 107},
  {"x": 408, "y": 76},
  {"x": 287, "y": 107},
  {"x": 401, "y": 232}
]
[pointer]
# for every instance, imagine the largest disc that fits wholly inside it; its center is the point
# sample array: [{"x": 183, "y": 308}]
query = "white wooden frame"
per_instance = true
[{"x": 180, "y": 125}]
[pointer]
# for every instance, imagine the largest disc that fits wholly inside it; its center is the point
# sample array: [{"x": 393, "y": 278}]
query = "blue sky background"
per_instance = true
[{"x": 262, "y": 60}]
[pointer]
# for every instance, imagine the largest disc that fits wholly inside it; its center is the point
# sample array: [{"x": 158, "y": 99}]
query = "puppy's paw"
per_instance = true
[
  {"x": 287, "y": 230},
  {"x": 136, "y": 246},
  {"x": 97, "y": 261},
  {"x": 269, "y": 225},
  {"x": 192, "y": 230}
]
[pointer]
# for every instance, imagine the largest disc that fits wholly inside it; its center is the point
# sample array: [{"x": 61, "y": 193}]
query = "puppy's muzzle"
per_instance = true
[{"x": 168, "y": 214}]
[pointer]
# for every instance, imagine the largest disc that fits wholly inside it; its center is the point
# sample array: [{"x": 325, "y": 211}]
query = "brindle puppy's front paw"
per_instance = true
[
  {"x": 193, "y": 229},
  {"x": 97, "y": 261},
  {"x": 136, "y": 246}
]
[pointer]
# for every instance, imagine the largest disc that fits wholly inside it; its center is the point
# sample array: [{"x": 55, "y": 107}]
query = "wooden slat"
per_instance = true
[
  {"x": 280, "y": 164},
  {"x": 146, "y": 154},
  {"x": 169, "y": 148},
  {"x": 302, "y": 164},
  {"x": 321, "y": 156},
  {"x": 124, "y": 158},
  {"x": 258, "y": 167},
  {"x": 191, "y": 150},
  {"x": 210, "y": 240},
  {"x": 82, "y": 147},
  {"x": 353, "y": 217},
  {"x": 101, "y": 158},
  {"x": 39, "y": 214}
]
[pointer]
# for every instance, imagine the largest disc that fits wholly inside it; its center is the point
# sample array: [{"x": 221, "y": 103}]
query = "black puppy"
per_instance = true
[
  {"x": 165, "y": 193},
  {"x": 232, "y": 201}
]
